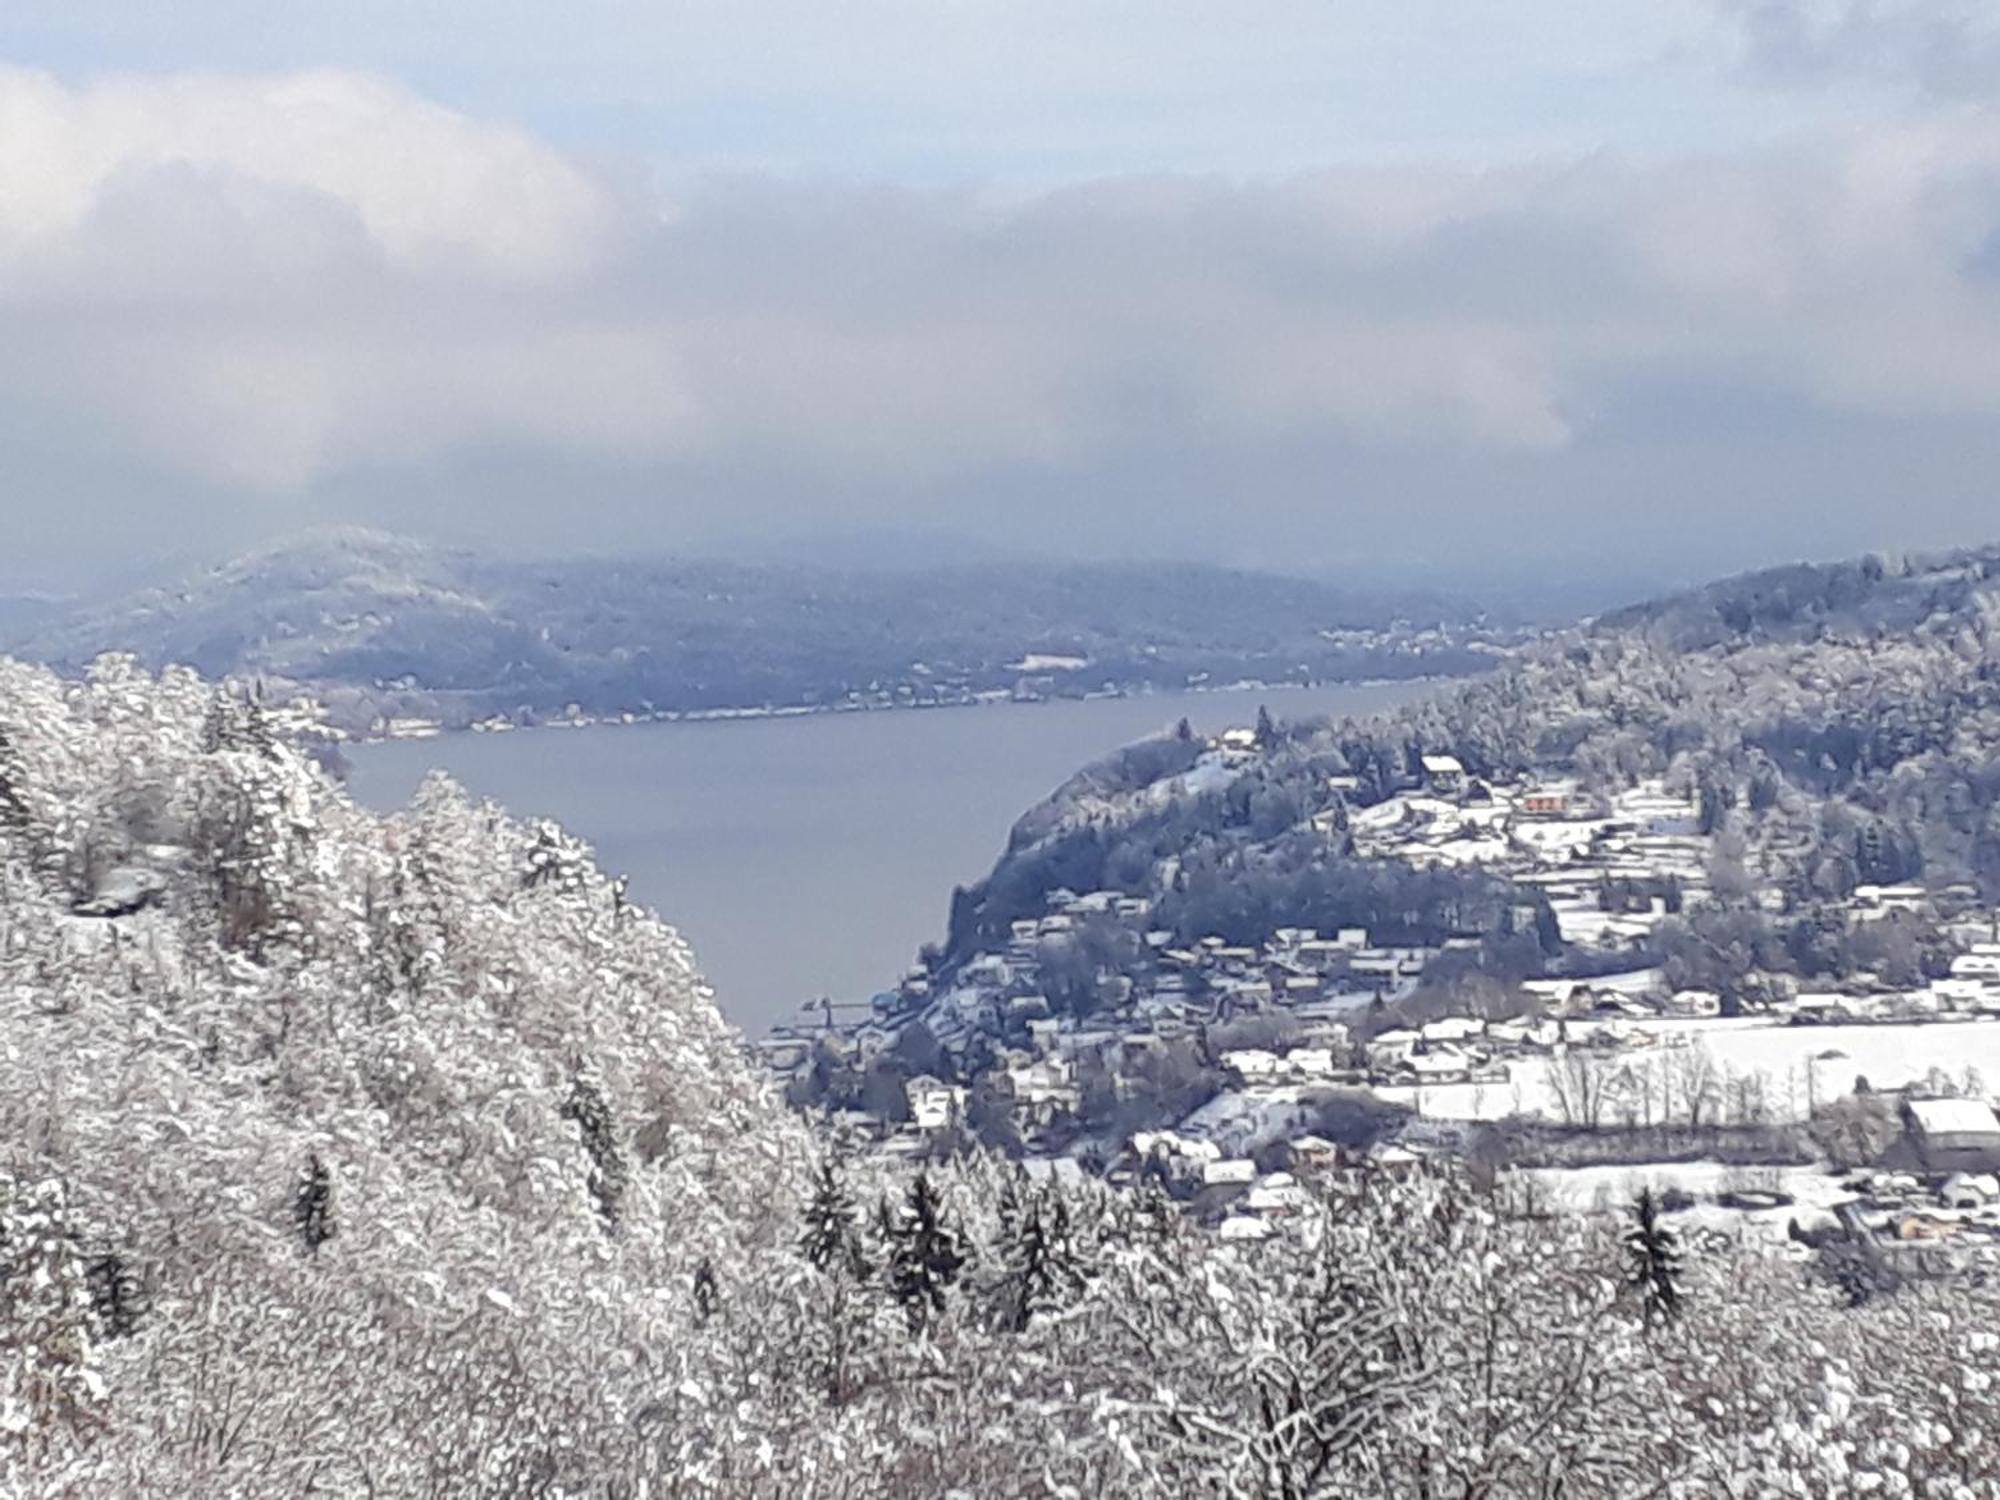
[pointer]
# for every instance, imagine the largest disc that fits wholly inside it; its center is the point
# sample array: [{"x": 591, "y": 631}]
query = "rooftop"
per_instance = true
[{"x": 1954, "y": 1117}]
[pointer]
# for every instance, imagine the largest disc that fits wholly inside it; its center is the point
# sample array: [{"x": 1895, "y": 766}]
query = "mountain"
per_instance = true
[{"x": 378, "y": 626}]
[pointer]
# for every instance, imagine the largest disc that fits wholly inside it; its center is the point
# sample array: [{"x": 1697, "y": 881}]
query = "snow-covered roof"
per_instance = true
[
  {"x": 1443, "y": 765},
  {"x": 1954, "y": 1117},
  {"x": 1244, "y": 1227}
]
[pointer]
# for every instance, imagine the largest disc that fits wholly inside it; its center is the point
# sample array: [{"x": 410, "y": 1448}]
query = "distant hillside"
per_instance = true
[
  {"x": 1863, "y": 597},
  {"x": 1838, "y": 723},
  {"x": 379, "y": 626}
]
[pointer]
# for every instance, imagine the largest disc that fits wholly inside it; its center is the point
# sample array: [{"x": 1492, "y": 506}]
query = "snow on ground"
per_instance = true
[
  {"x": 1801, "y": 1065},
  {"x": 1211, "y": 773},
  {"x": 1585, "y": 1189},
  {"x": 1554, "y": 836},
  {"x": 1826, "y": 1060},
  {"x": 1241, "y": 1121},
  {"x": 1814, "y": 1192}
]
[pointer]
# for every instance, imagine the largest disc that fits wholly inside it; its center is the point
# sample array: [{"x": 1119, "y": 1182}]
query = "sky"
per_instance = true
[{"x": 1494, "y": 296}]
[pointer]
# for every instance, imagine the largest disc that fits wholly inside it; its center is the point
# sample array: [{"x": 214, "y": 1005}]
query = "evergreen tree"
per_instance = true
[
  {"x": 842, "y": 1330},
  {"x": 705, "y": 1295},
  {"x": 1042, "y": 1273},
  {"x": 116, "y": 1294},
  {"x": 925, "y": 1256},
  {"x": 587, "y": 1107},
  {"x": 832, "y": 1240},
  {"x": 312, "y": 1205},
  {"x": 1653, "y": 1261}
]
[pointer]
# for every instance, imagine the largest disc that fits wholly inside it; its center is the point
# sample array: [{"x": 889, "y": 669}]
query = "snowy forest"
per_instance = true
[
  {"x": 357, "y": 1155},
  {"x": 1837, "y": 724}
]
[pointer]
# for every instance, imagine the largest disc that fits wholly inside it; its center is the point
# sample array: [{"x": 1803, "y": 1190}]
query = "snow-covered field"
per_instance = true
[
  {"x": 1814, "y": 1193},
  {"x": 1798, "y": 1065}
]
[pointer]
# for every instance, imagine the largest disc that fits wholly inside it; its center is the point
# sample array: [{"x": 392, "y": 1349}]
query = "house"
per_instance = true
[
  {"x": 1245, "y": 1228},
  {"x": 1444, "y": 774},
  {"x": 1954, "y": 1135},
  {"x": 1278, "y": 1196},
  {"x": 1969, "y": 1190},
  {"x": 1983, "y": 962},
  {"x": 1237, "y": 1171},
  {"x": 1439, "y": 1065},
  {"x": 1547, "y": 800},
  {"x": 1390, "y": 1047},
  {"x": 933, "y": 1105},
  {"x": 1880, "y": 900},
  {"x": 1453, "y": 1029},
  {"x": 1044, "y": 1081},
  {"x": 1251, "y": 1064},
  {"x": 1310, "y": 1062},
  {"x": 1314, "y": 1153}
]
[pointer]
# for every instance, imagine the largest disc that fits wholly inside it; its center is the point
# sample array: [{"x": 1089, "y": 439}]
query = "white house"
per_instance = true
[
  {"x": 1251, "y": 1064},
  {"x": 1390, "y": 1047},
  {"x": 934, "y": 1105},
  {"x": 1245, "y": 1227},
  {"x": 1444, "y": 773}
]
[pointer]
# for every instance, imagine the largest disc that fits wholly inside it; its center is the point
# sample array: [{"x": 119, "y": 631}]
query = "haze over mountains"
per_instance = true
[{"x": 379, "y": 626}]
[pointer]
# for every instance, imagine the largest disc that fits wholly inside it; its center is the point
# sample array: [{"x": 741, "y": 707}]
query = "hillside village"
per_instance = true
[{"x": 1228, "y": 1071}]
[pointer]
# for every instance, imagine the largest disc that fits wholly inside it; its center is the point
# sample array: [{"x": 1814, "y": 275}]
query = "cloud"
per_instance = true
[
  {"x": 268, "y": 291},
  {"x": 428, "y": 187},
  {"x": 1943, "y": 48}
]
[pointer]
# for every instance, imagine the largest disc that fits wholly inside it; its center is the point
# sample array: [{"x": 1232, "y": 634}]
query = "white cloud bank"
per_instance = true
[{"x": 265, "y": 284}]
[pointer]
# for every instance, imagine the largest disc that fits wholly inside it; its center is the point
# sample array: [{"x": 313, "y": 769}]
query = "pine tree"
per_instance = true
[
  {"x": 925, "y": 1255},
  {"x": 1042, "y": 1273},
  {"x": 705, "y": 1295},
  {"x": 832, "y": 1241},
  {"x": 842, "y": 1330},
  {"x": 312, "y": 1205},
  {"x": 116, "y": 1294},
  {"x": 1653, "y": 1261},
  {"x": 587, "y": 1107}
]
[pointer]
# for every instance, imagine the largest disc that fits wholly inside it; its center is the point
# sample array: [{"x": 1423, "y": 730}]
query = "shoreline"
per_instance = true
[{"x": 998, "y": 698}]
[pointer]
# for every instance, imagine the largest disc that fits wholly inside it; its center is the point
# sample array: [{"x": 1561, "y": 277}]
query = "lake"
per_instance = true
[{"x": 812, "y": 855}]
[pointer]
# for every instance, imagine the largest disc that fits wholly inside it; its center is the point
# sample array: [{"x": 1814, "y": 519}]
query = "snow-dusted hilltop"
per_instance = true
[
  {"x": 380, "y": 627},
  {"x": 320, "y": 1122}
]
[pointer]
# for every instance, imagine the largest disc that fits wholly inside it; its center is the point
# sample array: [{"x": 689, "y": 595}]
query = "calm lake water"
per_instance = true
[{"x": 811, "y": 855}]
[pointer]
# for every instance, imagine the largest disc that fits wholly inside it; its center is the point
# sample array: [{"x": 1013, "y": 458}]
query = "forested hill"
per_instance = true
[
  {"x": 1840, "y": 723},
  {"x": 321, "y": 1125},
  {"x": 1864, "y": 598},
  {"x": 381, "y": 626}
]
